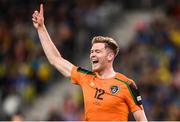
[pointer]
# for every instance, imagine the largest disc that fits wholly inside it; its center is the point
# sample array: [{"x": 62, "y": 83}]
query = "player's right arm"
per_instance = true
[{"x": 49, "y": 48}]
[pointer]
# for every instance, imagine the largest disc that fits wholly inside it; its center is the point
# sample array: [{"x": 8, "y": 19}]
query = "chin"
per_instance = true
[{"x": 95, "y": 69}]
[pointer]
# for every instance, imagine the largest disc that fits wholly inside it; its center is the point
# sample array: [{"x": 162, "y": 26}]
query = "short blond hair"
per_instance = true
[{"x": 109, "y": 42}]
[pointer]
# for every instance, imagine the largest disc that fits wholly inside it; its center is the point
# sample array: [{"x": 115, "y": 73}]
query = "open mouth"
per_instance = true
[{"x": 95, "y": 61}]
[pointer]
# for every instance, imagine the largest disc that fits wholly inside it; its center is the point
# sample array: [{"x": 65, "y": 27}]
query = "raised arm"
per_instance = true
[{"x": 49, "y": 48}]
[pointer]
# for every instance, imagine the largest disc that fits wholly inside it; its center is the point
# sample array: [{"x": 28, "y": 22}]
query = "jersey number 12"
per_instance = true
[{"x": 99, "y": 93}]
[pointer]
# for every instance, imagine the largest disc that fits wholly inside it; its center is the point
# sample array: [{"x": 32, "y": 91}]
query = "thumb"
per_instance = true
[{"x": 41, "y": 10}]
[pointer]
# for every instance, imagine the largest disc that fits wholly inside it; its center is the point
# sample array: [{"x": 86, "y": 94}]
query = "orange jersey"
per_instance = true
[{"x": 107, "y": 99}]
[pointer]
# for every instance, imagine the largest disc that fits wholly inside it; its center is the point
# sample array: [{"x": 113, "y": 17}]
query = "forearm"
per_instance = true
[
  {"x": 53, "y": 54},
  {"x": 47, "y": 44}
]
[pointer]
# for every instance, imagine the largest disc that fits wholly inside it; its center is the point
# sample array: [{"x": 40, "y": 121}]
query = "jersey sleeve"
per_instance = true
[
  {"x": 133, "y": 98},
  {"x": 79, "y": 75},
  {"x": 75, "y": 76}
]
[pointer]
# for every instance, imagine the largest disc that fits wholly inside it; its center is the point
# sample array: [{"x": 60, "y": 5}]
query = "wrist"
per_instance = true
[{"x": 41, "y": 28}]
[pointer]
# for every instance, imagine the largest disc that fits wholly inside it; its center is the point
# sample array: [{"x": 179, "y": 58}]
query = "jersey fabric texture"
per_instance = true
[{"x": 107, "y": 99}]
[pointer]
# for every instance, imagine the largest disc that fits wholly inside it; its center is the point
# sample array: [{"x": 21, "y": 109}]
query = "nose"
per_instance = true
[{"x": 92, "y": 54}]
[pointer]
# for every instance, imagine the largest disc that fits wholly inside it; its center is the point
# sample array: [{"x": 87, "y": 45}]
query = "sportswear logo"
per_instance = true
[
  {"x": 92, "y": 84},
  {"x": 114, "y": 89}
]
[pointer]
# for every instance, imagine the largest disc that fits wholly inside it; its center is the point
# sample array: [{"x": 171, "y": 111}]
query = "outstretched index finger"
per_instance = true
[{"x": 41, "y": 10}]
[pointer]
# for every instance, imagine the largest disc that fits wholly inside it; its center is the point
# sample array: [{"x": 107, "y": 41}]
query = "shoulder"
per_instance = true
[
  {"x": 125, "y": 80},
  {"x": 79, "y": 74},
  {"x": 130, "y": 87}
]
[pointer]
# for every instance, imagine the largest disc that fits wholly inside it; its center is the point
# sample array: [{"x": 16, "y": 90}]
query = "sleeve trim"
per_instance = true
[{"x": 84, "y": 71}]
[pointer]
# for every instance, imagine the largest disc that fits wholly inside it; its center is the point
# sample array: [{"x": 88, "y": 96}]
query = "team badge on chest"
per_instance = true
[{"x": 114, "y": 89}]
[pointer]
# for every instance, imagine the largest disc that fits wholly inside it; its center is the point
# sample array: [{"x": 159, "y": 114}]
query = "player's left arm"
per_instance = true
[
  {"x": 134, "y": 101},
  {"x": 139, "y": 115}
]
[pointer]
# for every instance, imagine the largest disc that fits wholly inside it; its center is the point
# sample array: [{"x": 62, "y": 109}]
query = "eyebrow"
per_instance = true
[{"x": 95, "y": 49}]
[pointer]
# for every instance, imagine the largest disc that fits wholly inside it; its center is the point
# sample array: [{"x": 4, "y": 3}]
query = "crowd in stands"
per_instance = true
[{"x": 153, "y": 61}]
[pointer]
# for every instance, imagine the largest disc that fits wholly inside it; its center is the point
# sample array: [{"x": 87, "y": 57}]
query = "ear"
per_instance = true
[{"x": 110, "y": 56}]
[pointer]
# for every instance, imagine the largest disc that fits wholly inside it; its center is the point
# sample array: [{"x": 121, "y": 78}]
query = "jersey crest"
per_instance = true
[{"x": 114, "y": 89}]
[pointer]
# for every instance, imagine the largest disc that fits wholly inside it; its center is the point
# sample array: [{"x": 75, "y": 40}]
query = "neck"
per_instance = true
[{"x": 106, "y": 73}]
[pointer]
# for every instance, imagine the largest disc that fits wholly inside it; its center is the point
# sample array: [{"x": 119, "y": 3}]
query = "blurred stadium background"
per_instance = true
[{"x": 148, "y": 32}]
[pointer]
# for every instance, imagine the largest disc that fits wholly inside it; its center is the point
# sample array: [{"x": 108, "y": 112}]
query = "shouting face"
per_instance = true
[{"x": 100, "y": 57}]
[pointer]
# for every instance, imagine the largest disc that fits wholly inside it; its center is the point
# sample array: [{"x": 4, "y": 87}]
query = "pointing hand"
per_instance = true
[{"x": 38, "y": 17}]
